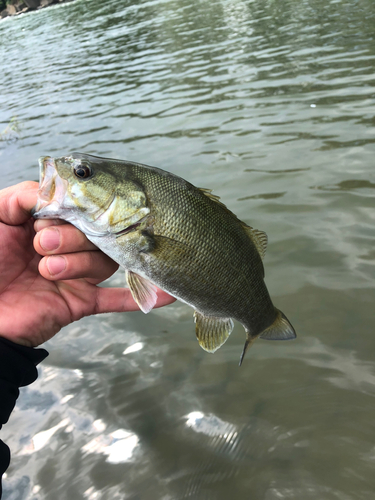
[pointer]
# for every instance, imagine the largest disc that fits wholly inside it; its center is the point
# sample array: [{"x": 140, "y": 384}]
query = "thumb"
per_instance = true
[{"x": 17, "y": 201}]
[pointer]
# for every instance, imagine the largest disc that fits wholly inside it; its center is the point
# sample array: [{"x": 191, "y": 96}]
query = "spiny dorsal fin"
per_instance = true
[
  {"x": 281, "y": 329},
  {"x": 212, "y": 332},
  {"x": 213, "y": 197},
  {"x": 259, "y": 239},
  {"x": 143, "y": 292}
]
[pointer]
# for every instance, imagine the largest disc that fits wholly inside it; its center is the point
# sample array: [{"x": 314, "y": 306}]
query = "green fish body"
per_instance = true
[{"x": 166, "y": 232}]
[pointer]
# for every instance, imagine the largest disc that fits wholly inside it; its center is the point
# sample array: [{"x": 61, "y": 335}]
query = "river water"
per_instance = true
[{"x": 272, "y": 105}]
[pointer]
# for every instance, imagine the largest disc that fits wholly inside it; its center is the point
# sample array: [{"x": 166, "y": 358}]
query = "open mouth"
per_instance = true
[{"x": 52, "y": 189}]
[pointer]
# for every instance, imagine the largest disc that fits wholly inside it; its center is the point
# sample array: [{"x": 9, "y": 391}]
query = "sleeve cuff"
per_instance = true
[{"x": 18, "y": 362}]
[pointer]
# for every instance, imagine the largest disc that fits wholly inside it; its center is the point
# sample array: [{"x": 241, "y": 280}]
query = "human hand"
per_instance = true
[{"x": 53, "y": 283}]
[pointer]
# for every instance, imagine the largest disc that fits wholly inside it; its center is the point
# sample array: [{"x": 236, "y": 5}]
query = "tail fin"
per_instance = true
[{"x": 281, "y": 329}]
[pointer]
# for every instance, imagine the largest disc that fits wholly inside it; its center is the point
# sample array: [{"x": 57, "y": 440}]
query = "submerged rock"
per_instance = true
[
  {"x": 32, "y": 4},
  {"x": 15, "y": 7},
  {"x": 45, "y": 3}
]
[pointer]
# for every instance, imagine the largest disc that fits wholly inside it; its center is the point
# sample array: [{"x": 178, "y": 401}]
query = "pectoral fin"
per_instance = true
[
  {"x": 143, "y": 292},
  {"x": 211, "y": 331}
]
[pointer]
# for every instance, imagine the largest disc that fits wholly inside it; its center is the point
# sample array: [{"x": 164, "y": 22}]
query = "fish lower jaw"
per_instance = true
[{"x": 47, "y": 210}]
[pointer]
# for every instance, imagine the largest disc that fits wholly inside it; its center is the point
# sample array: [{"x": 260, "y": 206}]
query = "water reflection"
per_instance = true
[
  {"x": 349, "y": 185},
  {"x": 263, "y": 196},
  {"x": 133, "y": 348},
  {"x": 118, "y": 446}
]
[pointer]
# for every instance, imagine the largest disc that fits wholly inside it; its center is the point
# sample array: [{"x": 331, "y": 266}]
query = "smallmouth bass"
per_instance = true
[{"x": 166, "y": 232}]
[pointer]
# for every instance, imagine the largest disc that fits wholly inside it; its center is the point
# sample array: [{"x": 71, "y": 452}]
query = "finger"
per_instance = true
[
  {"x": 17, "y": 201},
  {"x": 40, "y": 224},
  {"x": 121, "y": 300},
  {"x": 94, "y": 265},
  {"x": 61, "y": 239}
]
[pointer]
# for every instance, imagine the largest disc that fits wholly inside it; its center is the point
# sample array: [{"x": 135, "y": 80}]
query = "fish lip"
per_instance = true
[{"x": 51, "y": 190}]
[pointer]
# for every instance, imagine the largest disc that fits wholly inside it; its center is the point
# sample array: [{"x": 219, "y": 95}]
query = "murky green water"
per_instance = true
[{"x": 271, "y": 104}]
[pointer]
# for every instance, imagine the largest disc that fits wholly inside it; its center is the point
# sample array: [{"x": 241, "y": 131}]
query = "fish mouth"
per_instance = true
[{"x": 52, "y": 189}]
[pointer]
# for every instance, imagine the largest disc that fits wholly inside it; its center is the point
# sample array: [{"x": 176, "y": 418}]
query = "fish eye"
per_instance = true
[{"x": 83, "y": 171}]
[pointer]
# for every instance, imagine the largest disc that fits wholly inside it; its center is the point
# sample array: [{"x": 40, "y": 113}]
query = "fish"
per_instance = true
[{"x": 167, "y": 233}]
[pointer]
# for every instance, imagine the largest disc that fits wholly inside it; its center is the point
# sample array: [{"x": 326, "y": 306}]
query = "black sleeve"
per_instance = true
[{"x": 17, "y": 369}]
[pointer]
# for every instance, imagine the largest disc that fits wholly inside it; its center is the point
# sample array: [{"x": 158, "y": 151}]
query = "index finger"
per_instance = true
[{"x": 17, "y": 201}]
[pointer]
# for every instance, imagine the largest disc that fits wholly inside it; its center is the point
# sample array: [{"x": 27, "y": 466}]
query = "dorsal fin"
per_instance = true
[
  {"x": 213, "y": 197},
  {"x": 259, "y": 239}
]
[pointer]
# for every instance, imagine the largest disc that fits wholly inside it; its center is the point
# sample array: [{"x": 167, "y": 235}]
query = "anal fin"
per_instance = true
[
  {"x": 212, "y": 332},
  {"x": 143, "y": 292}
]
